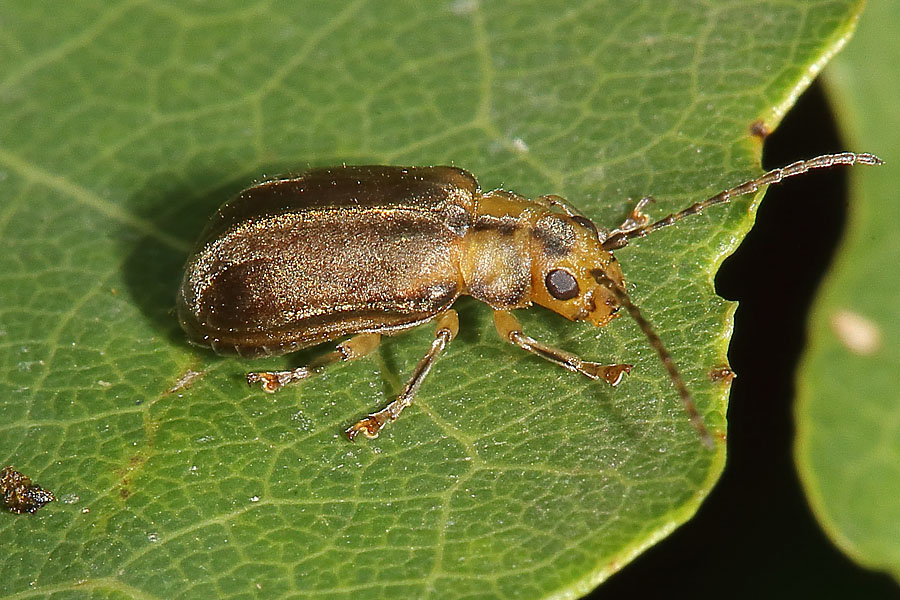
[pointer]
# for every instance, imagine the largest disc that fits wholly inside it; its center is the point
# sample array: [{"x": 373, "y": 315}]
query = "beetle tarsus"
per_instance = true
[
  {"x": 636, "y": 218},
  {"x": 272, "y": 381},
  {"x": 611, "y": 374},
  {"x": 369, "y": 426}
]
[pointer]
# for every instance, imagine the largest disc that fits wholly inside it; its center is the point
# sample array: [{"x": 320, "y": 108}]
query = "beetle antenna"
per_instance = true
[
  {"x": 687, "y": 400},
  {"x": 620, "y": 239}
]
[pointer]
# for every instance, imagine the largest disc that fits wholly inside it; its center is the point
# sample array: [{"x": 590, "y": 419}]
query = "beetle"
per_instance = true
[{"x": 367, "y": 251}]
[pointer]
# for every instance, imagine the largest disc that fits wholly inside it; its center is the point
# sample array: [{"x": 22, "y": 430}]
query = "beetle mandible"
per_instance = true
[{"x": 371, "y": 250}]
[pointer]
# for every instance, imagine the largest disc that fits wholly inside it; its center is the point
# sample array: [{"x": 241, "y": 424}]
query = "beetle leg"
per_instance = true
[
  {"x": 447, "y": 328},
  {"x": 510, "y": 329},
  {"x": 554, "y": 201},
  {"x": 356, "y": 347},
  {"x": 636, "y": 218}
]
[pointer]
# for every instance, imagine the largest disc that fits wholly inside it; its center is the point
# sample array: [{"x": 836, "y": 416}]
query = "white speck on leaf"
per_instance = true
[{"x": 857, "y": 333}]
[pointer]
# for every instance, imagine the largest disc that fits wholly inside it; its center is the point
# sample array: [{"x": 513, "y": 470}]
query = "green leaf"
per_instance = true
[
  {"x": 124, "y": 125},
  {"x": 848, "y": 414}
]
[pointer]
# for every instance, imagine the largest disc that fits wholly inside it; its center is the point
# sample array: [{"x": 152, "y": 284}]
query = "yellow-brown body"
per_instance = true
[
  {"x": 366, "y": 251},
  {"x": 297, "y": 262}
]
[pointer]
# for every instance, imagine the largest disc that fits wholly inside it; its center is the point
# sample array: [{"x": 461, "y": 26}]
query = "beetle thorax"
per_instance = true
[{"x": 518, "y": 252}]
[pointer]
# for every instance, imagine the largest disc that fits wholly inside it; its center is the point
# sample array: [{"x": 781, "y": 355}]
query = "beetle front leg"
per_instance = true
[
  {"x": 636, "y": 218},
  {"x": 554, "y": 201},
  {"x": 356, "y": 347},
  {"x": 447, "y": 328},
  {"x": 510, "y": 329}
]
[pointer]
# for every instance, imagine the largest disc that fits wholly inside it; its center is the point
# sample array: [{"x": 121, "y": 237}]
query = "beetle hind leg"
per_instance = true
[
  {"x": 356, "y": 347},
  {"x": 510, "y": 329},
  {"x": 370, "y": 426}
]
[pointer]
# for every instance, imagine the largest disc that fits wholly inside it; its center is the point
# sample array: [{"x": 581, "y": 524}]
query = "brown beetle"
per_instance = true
[{"x": 373, "y": 250}]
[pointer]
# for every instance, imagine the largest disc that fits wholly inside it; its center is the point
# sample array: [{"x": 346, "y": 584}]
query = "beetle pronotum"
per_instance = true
[{"x": 366, "y": 251}]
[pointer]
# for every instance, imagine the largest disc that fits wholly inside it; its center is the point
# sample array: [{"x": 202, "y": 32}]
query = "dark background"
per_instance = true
[{"x": 754, "y": 536}]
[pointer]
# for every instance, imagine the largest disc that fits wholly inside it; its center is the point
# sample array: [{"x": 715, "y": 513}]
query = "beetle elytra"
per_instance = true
[{"x": 371, "y": 250}]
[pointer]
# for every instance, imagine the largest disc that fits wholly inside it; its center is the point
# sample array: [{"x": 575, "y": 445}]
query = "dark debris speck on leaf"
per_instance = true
[{"x": 19, "y": 495}]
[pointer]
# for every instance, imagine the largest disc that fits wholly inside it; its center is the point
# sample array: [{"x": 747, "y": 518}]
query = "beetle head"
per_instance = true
[{"x": 566, "y": 252}]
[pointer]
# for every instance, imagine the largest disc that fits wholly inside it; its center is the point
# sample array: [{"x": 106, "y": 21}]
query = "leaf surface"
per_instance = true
[
  {"x": 125, "y": 124},
  {"x": 848, "y": 411}
]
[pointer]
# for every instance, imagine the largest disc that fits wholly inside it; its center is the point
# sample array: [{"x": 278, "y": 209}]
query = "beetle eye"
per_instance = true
[
  {"x": 561, "y": 284},
  {"x": 587, "y": 224}
]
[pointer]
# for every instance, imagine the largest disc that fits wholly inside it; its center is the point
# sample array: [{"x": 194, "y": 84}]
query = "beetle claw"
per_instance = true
[
  {"x": 272, "y": 381},
  {"x": 369, "y": 427},
  {"x": 615, "y": 374},
  {"x": 636, "y": 218},
  {"x": 611, "y": 374}
]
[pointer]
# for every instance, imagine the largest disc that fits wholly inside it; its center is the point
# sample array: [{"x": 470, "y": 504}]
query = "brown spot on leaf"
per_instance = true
[
  {"x": 135, "y": 462},
  {"x": 724, "y": 374},
  {"x": 759, "y": 129}
]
